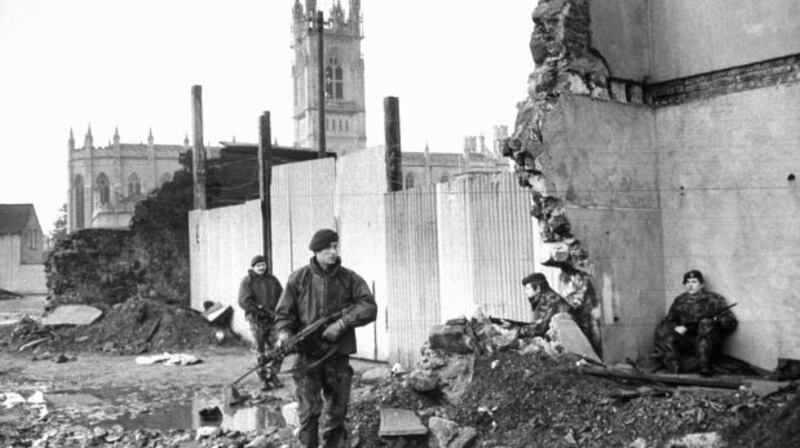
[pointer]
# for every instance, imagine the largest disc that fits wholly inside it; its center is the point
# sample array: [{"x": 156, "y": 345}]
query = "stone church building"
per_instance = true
[{"x": 106, "y": 182}]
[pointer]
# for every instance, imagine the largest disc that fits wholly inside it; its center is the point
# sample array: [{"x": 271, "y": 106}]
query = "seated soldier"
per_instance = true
[
  {"x": 545, "y": 303},
  {"x": 692, "y": 333}
]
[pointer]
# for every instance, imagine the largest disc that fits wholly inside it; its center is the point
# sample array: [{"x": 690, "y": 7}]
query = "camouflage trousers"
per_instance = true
[
  {"x": 324, "y": 387},
  {"x": 688, "y": 352},
  {"x": 264, "y": 339}
]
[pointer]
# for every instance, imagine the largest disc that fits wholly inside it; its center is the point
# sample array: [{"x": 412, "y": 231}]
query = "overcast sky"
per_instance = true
[{"x": 457, "y": 67}]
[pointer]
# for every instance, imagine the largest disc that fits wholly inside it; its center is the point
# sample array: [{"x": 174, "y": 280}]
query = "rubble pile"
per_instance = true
[
  {"x": 486, "y": 382},
  {"x": 131, "y": 327}
]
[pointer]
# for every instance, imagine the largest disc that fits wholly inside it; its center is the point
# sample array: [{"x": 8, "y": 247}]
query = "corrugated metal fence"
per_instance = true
[
  {"x": 464, "y": 245},
  {"x": 413, "y": 274}
]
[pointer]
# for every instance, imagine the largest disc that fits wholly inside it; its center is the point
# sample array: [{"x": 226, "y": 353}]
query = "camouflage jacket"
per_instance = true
[
  {"x": 545, "y": 305},
  {"x": 312, "y": 293},
  {"x": 689, "y": 309}
]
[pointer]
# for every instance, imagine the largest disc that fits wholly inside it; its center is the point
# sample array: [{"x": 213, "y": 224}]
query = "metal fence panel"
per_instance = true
[{"x": 413, "y": 274}]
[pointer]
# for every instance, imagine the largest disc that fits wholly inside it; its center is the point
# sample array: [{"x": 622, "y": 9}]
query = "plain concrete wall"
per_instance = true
[
  {"x": 691, "y": 37},
  {"x": 620, "y": 33},
  {"x": 600, "y": 156},
  {"x": 361, "y": 218},
  {"x": 222, "y": 242},
  {"x": 729, "y": 210},
  {"x": 26, "y": 279},
  {"x": 626, "y": 252}
]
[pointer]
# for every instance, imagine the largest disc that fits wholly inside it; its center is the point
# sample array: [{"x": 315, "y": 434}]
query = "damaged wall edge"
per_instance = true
[{"x": 586, "y": 146}]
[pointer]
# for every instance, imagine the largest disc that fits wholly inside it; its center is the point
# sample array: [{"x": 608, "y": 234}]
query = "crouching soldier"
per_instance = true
[
  {"x": 691, "y": 335},
  {"x": 258, "y": 296},
  {"x": 322, "y": 371},
  {"x": 545, "y": 303}
]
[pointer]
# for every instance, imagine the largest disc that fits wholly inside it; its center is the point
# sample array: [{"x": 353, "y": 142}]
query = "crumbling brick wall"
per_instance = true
[{"x": 566, "y": 63}]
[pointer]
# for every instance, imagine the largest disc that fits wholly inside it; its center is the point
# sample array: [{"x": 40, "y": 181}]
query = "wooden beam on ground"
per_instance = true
[{"x": 672, "y": 379}]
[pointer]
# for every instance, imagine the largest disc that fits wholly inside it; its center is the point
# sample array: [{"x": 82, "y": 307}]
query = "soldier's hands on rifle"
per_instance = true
[
  {"x": 333, "y": 331},
  {"x": 284, "y": 341}
]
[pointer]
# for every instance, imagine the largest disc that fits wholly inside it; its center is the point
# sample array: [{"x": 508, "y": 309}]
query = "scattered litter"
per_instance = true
[
  {"x": 208, "y": 431},
  {"x": 36, "y": 398},
  {"x": 697, "y": 440},
  {"x": 12, "y": 399},
  {"x": 179, "y": 359}
]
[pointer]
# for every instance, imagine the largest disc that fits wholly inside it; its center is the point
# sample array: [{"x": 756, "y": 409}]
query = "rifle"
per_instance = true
[
  {"x": 281, "y": 352},
  {"x": 714, "y": 316}
]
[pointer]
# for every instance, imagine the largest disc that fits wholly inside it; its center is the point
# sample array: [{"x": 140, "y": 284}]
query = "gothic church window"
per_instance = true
[
  {"x": 134, "y": 185},
  {"x": 77, "y": 189},
  {"x": 103, "y": 189},
  {"x": 334, "y": 84},
  {"x": 409, "y": 181}
]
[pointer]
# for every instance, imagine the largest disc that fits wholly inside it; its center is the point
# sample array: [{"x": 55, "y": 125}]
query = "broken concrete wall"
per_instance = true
[
  {"x": 691, "y": 37},
  {"x": 599, "y": 156},
  {"x": 732, "y": 209}
]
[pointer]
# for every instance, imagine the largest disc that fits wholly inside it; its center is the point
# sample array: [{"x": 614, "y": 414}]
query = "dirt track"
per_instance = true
[{"x": 99, "y": 390}]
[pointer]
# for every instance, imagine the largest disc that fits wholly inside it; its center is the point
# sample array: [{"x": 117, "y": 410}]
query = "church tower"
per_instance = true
[{"x": 345, "y": 127}]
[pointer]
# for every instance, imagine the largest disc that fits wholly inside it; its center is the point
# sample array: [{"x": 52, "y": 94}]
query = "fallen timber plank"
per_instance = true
[{"x": 665, "y": 379}]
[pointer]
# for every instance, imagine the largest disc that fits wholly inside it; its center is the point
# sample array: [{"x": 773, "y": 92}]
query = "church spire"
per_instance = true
[
  {"x": 88, "y": 140},
  {"x": 150, "y": 138},
  {"x": 71, "y": 141},
  {"x": 116, "y": 135}
]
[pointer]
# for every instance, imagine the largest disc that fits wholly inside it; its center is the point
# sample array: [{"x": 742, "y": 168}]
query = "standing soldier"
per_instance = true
[
  {"x": 694, "y": 328},
  {"x": 545, "y": 303},
  {"x": 322, "y": 369},
  {"x": 258, "y": 296}
]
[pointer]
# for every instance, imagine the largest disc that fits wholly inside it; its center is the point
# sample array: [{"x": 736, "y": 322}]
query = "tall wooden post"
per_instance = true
[
  {"x": 320, "y": 25},
  {"x": 198, "y": 151},
  {"x": 394, "y": 155},
  {"x": 265, "y": 184}
]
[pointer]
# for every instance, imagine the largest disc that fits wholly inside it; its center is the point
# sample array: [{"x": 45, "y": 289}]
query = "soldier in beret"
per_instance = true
[
  {"x": 691, "y": 335},
  {"x": 322, "y": 371},
  {"x": 259, "y": 292}
]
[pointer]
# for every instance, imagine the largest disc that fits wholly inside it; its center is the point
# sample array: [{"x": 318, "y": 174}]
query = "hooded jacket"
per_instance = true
[
  {"x": 312, "y": 293},
  {"x": 259, "y": 291}
]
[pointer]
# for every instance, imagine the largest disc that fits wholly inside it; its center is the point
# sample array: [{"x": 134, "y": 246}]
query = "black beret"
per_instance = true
[
  {"x": 322, "y": 239},
  {"x": 694, "y": 273},
  {"x": 258, "y": 259}
]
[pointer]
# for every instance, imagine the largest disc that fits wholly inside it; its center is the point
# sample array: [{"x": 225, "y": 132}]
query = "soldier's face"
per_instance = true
[
  {"x": 260, "y": 268},
  {"x": 531, "y": 290},
  {"x": 328, "y": 256},
  {"x": 693, "y": 286}
]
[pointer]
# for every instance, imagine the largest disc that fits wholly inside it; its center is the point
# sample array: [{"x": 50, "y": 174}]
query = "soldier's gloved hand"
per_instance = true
[
  {"x": 333, "y": 331},
  {"x": 680, "y": 329},
  {"x": 284, "y": 341}
]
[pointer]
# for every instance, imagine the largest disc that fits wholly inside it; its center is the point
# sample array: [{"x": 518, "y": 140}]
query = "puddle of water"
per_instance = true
[
  {"x": 187, "y": 415},
  {"x": 127, "y": 408}
]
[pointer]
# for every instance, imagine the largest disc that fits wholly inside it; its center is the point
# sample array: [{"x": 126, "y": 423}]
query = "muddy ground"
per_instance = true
[
  {"x": 78, "y": 389},
  {"x": 98, "y": 398}
]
